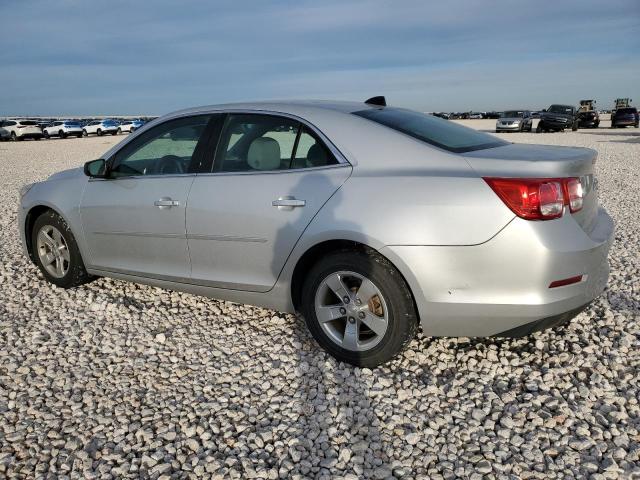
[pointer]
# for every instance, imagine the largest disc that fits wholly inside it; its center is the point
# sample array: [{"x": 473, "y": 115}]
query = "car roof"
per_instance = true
[{"x": 283, "y": 106}]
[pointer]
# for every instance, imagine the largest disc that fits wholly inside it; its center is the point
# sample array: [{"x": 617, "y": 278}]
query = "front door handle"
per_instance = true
[
  {"x": 166, "y": 202},
  {"x": 288, "y": 203}
]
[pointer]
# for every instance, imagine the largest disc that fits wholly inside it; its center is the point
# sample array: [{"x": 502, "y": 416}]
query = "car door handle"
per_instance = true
[
  {"x": 288, "y": 203},
  {"x": 166, "y": 202}
]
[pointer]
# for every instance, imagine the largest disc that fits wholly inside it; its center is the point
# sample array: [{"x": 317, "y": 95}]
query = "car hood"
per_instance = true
[
  {"x": 66, "y": 174},
  {"x": 555, "y": 115}
]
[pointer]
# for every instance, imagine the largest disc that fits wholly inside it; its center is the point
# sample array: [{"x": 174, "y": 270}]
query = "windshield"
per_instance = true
[
  {"x": 512, "y": 114},
  {"x": 72, "y": 124},
  {"x": 108, "y": 122},
  {"x": 433, "y": 130},
  {"x": 567, "y": 110}
]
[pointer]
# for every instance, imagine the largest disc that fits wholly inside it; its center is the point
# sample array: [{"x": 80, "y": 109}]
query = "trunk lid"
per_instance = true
[{"x": 543, "y": 161}]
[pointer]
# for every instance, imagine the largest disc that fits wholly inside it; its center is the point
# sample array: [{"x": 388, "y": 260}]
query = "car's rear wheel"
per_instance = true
[
  {"x": 56, "y": 252},
  {"x": 359, "y": 308},
  {"x": 99, "y": 132},
  {"x": 14, "y": 137},
  {"x": 119, "y": 131},
  {"x": 46, "y": 135},
  {"x": 61, "y": 134},
  {"x": 539, "y": 128}
]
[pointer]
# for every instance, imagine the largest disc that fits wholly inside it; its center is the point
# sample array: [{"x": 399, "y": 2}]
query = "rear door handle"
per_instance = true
[
  {"x": 166, "y": 202},
  {"x": 288, "y": 203}
]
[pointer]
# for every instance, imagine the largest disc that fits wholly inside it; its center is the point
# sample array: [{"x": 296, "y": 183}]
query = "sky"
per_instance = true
[{"x": 76, "y": 57}]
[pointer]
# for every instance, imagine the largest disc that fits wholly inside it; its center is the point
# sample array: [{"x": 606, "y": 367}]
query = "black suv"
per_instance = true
[
  {"x": 557, "y": 118},
  {"x": 624, "y": 117}
]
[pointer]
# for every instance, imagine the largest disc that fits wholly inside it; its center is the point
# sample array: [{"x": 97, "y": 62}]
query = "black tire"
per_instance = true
[
  {"x": 119, "y": 131},
  {"x": 61, "y": 134},
  {"x": 402, "y": 317},
  {"x": 539, "y": 127},
  {"x": 14, "y": 137},
  {"x": 114, "y": 133},
  {"x": 85, "y": 133},
  {"x": 46, "y": 135},
  {"x": 76, "y": 274},
  {"x": 99, "y": 132},
  {"x": 574, "y": 127}
]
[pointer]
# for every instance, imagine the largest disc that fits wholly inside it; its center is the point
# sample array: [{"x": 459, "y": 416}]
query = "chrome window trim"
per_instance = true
[
  {"x": 332, "y": 148},
  {"x": 283, "y": 171}
]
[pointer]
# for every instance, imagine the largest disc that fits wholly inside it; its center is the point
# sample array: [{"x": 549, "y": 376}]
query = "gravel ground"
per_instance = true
[{"x": 121, "y": 380}]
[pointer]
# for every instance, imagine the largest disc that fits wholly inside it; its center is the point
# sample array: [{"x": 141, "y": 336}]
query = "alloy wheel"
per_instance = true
[
  {"x": 53, "y": 251},
  {"x": 351, "y": 310}
]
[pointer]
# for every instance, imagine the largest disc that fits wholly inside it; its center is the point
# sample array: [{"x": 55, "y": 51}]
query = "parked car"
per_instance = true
[
  {"x": 129, "y": 126},
  {"x": 475, "y": 116},
  {"x": 63, "y": 129},
  {"x": 514, "y": 121},
  {"x": 5, "y": 134},
  {"x": 100, "y": 127},
  {"x": 557, "y": 118},
  {"x": 624, "y": 117},
  {"x": 22, "y": 129},
  {"x": 483, "y": 237}
]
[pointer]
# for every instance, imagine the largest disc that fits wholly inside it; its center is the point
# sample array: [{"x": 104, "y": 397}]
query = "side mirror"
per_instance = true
[{"x": 96, "y": 168}]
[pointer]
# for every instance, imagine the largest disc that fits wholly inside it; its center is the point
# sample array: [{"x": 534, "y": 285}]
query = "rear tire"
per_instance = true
[
  {"x": 389, "y": 307},
  {"x": 539, "y": 127},
  {"x": 99, "y": 132},
  {"x": 61, "y": 134},
  {"x": 14, "y": 137},
  {"x": 51, "y": 234},
  {"x": 119, "y": 131},
  {"x": 46, "y": 135}
]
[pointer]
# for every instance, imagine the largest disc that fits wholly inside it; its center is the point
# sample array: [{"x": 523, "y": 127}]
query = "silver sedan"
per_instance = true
[{"x": 370, "y": 220}]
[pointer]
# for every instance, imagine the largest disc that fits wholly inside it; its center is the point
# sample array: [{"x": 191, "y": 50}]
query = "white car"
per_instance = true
[
  {"x": 129, "y": 126},
  {"x": 63, "y": 129},
  {"x": 100, "y": 127},
  {"x": 21, "y": 129}
]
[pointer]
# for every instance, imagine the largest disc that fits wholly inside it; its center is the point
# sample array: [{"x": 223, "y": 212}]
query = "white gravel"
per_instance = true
[{"x": 115, "y": 379}]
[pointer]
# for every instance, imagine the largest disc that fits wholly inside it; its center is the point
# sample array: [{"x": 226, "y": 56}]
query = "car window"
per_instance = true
[
  {"x": 252, "y": 142},
  {"x": 311, "y": 152},
  {"x": 167, "y": 149},
  {"x": 433, "y": 130}
]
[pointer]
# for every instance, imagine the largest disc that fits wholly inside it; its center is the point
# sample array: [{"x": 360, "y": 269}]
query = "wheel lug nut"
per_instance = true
[
  {"x": 352, "y": 320},
  {"x": 343, "y": 310},
  {"x": 345, "y": 299},
  {"x": 361, "y": 314}
]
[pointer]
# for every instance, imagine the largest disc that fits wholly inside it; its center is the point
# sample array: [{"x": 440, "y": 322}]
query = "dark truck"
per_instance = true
[
  {"x": 557, "y": 118},
  {"x": 588, "y": 116}
]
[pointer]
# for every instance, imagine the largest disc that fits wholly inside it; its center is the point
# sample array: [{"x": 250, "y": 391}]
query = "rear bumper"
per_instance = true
[{"x": 503, "y": 284}]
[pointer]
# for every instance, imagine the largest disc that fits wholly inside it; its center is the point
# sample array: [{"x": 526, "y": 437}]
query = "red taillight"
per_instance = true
[{"x": 538, "y": 198}]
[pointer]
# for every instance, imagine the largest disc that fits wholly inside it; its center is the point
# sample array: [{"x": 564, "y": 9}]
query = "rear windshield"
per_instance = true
[
  {"x": 72, "y": 124},
  {"x": 433, "y": 130},
  {"x": 109, "y": 122},
  {"x": 27, "y": 122},
  {"x": 627, "y": 110}
]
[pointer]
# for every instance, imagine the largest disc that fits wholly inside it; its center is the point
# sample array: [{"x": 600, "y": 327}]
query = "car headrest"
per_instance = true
[
  {"x": 316, "y": 156},
  {"x": 264, "y": 154}
]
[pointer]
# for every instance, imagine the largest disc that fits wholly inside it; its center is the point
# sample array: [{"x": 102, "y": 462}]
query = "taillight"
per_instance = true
[{"x": 538, "y": 198}]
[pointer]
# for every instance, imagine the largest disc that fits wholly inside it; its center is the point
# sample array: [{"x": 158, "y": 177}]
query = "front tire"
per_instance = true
[
  {"x": 56, "y": 252},
  {"x": 99, "y": 132},
  {"x": 539, "y": 127},
  {"x": 358, "y": 307},
  {"x": 61, "y": 134},
  {"x": 119, "y": 131},
  {"x": 85, "y": 133}
]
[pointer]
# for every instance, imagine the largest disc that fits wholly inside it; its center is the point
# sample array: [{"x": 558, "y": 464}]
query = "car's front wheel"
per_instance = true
[
  {"x": 56, "y": 252},
  {"x": 99, "y": 132},
  {"x": 85, "y": 133},
  {"x": 539, "y": 128},
  {"x": 359, "y": 308}
]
